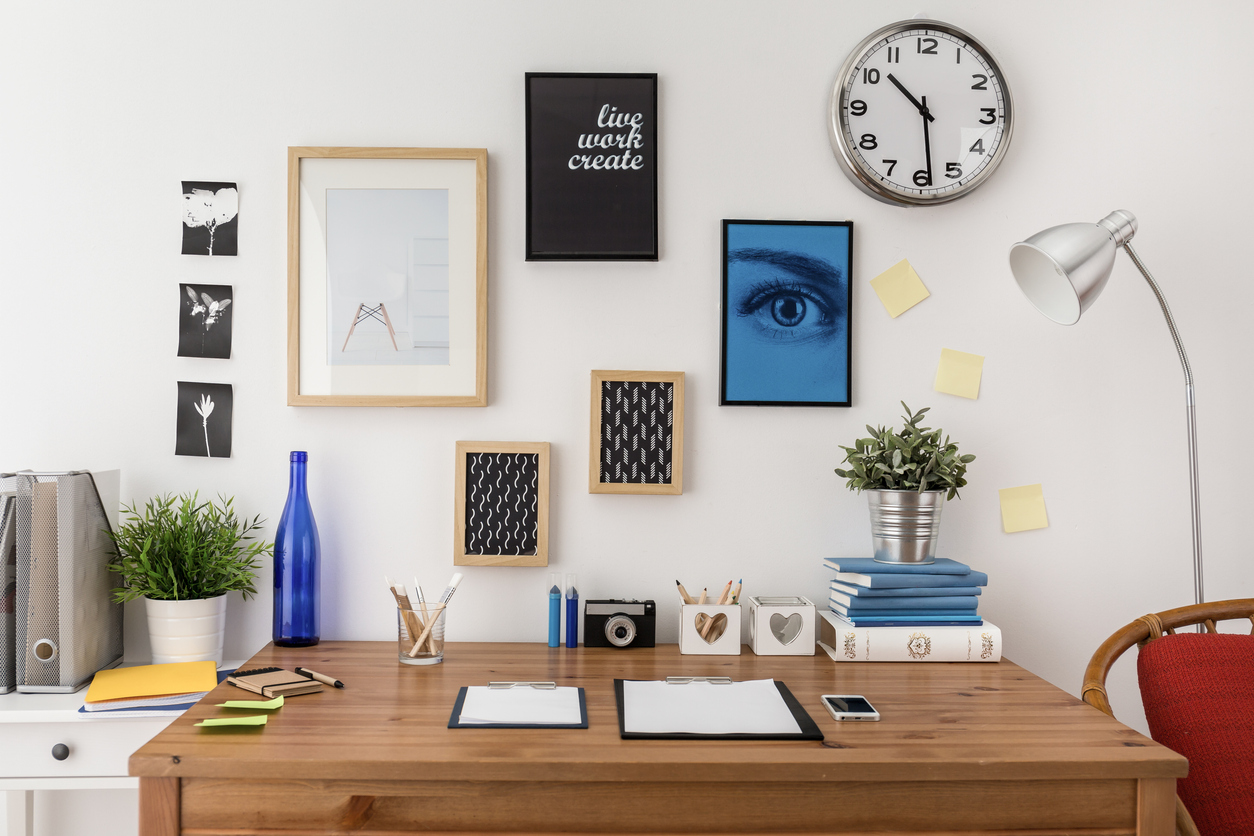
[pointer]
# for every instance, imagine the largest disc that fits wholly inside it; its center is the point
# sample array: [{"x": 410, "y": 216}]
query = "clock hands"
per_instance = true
[
  {"x": 922, "y": 106},
  {"x": 927, "y": 142}
]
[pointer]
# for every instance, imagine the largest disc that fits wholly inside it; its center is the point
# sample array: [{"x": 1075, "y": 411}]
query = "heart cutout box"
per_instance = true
[
  {"x": 709, "y": 629},
  {"x": 781, "y": 625}
]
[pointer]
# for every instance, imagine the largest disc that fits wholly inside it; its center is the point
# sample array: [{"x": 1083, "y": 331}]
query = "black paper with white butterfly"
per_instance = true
[{"x": 205, "y": 320}]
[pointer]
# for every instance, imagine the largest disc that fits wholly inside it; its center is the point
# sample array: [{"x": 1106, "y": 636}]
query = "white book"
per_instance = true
[{"x": 846, "y": 643}]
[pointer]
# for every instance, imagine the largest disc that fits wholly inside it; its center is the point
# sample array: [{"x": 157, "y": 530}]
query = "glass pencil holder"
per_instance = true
[{"x": 420, "y": 641}]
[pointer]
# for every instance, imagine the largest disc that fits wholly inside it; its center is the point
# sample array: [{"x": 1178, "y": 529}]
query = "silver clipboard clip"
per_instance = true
[
  {"x": 540, "y": 686},
  {"x": 685, "y": 680}
]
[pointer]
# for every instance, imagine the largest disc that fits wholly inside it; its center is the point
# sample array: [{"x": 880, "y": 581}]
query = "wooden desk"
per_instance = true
[{"x": 961, "y": 748}]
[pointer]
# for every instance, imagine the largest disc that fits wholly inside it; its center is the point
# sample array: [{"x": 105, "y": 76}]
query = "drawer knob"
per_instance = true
[{"x": 60, "y": 751}]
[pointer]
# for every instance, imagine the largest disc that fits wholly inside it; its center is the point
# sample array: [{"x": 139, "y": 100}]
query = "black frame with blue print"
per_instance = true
[{"x": 728, "y": 311}]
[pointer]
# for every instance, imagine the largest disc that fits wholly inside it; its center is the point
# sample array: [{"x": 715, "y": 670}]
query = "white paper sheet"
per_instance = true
[
  {"x": 752, "y": 707},
  {"x": 521, "y": 706}
]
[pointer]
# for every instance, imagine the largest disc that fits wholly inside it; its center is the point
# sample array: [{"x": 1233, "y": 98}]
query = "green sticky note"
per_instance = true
[
  {"x": 259, "y": 705},
  {"x": 255, "y": 720}
]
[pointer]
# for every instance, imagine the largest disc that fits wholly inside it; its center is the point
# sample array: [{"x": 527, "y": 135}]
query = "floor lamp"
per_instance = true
[{"x": 1062, "y": 272}]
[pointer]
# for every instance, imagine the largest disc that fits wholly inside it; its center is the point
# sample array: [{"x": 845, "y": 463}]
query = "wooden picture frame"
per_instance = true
[
  {"x": 387, "y": 276},
  {"x": 479, "y": 538},
  {"x": 646, "y": 448}
]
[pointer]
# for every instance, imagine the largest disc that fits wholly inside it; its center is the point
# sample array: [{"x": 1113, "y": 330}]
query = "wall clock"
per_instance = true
[{"x": 920, "y": 113}]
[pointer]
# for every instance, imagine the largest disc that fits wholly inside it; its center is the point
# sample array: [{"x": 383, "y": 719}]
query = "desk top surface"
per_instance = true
[{"x": 941, "y": 721}]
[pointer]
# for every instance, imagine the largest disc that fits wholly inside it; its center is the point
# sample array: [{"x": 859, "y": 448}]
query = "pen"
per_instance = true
[
  {"x": 321, "y": 677},
  {"x": 572, "y": 611},
  {"x": 555, "y": 610}
]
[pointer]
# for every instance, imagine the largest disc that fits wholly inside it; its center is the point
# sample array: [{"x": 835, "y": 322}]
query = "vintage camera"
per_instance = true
[{"x": 613, "y": 622}]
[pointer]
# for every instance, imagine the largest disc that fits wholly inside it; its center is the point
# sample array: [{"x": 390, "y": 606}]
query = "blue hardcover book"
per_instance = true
[
  {"x": 881, "y": 581},
  {"x": 920, "y": 612},
  {"x": 903, "y": 591},
  {"x": 951, "y": 602},
  {"x": 870, "y": 566},
  {"x": 860, "y": 621}
]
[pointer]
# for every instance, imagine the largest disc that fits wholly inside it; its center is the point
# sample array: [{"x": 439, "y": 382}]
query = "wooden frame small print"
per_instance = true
[
  {"x": 387, "y": 282},
  {"x": 501, "y": 510},
  {"x": 592, "y": 166},
  {"x": 637, "y": 433}
]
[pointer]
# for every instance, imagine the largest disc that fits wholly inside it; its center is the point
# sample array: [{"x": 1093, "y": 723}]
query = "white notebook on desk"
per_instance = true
[{"x": 751, "y": 707}]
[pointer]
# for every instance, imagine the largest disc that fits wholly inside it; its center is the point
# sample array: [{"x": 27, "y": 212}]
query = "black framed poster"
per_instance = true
[
  {"x": 786, "y": 329},
  {"x": 592, "y": 166}
]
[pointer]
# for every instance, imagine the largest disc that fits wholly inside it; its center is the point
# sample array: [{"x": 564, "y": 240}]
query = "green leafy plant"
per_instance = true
[
  {"x": 184, "y": 549},
  {"x": 914, "y": 459}
]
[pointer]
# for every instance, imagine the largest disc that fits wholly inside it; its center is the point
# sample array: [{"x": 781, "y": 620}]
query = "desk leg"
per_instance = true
[
  {"x": 158, "y": 807},
  {"x": 1156, "y": 807},
  {"x": 19, "y": 812}
]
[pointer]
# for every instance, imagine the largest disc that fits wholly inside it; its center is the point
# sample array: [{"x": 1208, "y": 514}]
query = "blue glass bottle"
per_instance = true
[{"x": 296, "y": 552}]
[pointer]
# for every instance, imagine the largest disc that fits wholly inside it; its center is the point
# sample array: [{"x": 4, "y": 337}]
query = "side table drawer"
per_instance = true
[{"x": 96, "y": 747}]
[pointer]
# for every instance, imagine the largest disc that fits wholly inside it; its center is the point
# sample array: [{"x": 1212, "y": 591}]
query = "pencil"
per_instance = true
[
  {"x": 683, "y": 593},
  {"x": 722, "y": 599},
  {"x": 735, "y": 596},
  {"x": 435, "y": 614},
  {"x": 705, "y": 596}
]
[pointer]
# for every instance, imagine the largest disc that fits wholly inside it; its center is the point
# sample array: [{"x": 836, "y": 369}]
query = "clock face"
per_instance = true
[{"x": 920, "y": 113}]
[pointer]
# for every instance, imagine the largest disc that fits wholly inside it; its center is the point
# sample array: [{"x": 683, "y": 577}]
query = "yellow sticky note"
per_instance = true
[
  {"x": 255, "y": 705},
  {"x": 959, "y": 373},
  {"x": 899, "y": 288},
  {"x": 1022, "y": 509},
  {"x": 257, "y": 720}
]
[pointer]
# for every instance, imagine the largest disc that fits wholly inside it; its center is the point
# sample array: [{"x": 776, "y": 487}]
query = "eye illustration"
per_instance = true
[{"x": 786, "y": 297}]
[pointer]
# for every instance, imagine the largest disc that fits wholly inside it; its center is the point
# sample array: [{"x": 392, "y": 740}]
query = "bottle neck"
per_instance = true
[{"x": 296, "y": 479}]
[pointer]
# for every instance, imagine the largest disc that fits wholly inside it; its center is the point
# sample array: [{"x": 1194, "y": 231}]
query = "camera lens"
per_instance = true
[{"x": 620, "y": 630}]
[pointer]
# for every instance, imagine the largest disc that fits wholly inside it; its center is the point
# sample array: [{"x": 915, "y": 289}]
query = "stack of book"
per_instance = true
[{"x": 149, "y": 690}]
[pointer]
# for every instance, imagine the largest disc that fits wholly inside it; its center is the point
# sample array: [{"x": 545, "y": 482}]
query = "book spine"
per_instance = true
[{"x": 910, "y": 644}]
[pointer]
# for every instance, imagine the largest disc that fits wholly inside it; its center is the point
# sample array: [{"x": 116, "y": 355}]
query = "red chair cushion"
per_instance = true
[{"x": 1198, "y": 693}]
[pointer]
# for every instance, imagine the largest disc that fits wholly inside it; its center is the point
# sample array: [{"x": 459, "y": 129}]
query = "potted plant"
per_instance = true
[
  {"x": 907, "y": 475},
  {"x": 182, "y": 556}
]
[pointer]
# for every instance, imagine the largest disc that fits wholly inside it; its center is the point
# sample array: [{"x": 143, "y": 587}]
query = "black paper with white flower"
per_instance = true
[
  {"x": 210, "y": 218},
  {"x": 637, "y": 424},
  {"x": 205, "y": 320},
  {"x": 502, "y": 503},
  {"x": 204, "y": 420}
]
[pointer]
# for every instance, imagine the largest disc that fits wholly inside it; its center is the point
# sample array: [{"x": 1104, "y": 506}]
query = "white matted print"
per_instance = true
[{"x": 387, "y": 282}]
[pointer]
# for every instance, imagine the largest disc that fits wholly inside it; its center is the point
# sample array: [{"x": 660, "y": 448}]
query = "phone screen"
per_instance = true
[{"x": 850, "y": 705}]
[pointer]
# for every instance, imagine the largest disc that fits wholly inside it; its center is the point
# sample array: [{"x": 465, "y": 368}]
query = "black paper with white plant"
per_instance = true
[
  {"x": 210, "y": 218},
  {"x": 204, "y": 420},
  {"x": 205, "y": 320}
]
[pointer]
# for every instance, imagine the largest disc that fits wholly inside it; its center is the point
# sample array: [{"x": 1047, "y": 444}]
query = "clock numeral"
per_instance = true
[
  {"x": 891, "y": 166},
  {"x": 922, "y": 178},
  {"x": 991, "y": 113},
  {"x": 978, "y": 147},
  {"x": 930, "y": 49},
  {"x": 958, "y": 56},
  {"x": 870, "y": 75},
  {"x": 953, "y": 171},
  {"x": 979, "y": 85},
  {"x": 894, "y": 55},
  {"x": 857, "y": 107},
  {"x": 868, "y": 143}
]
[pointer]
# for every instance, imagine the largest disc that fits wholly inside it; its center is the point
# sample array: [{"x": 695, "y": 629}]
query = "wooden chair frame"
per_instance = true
[{"x": 1145, "y": 629}]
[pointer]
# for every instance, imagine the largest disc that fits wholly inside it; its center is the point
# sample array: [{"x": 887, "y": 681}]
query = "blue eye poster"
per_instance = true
[{"x": 786, "y": 322}]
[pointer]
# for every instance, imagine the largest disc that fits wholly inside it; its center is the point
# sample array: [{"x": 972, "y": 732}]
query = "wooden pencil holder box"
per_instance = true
[
  {"x": 709, "y": 629},
  {"x": 781, "y": 626}
]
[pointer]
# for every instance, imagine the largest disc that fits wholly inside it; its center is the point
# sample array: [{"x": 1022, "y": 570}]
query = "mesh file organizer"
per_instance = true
[
  {"x": 66, "y": 626},
  {"x": 8, "y": 588}
]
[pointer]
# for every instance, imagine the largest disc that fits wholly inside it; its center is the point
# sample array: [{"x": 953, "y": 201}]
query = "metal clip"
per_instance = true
[
  {"x": 684, "y": 680},
  {"x": 542, "y": 686}
]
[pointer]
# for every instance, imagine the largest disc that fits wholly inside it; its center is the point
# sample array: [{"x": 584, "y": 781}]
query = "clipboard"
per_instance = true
[
  {"x": 809, "y": 730},
  {"x": 454, "y": 721}
]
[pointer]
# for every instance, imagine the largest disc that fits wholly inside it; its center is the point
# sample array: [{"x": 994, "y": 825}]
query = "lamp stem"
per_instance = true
[{"x": 1194, "y": 491}]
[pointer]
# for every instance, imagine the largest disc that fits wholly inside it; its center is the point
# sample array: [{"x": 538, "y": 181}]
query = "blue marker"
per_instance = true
[
  {"x": 555, "y": 610},
  {"x": 572, "y": 611}
]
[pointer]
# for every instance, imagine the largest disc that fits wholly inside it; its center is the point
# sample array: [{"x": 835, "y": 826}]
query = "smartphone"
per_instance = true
[{"x": 849, "y": 707}]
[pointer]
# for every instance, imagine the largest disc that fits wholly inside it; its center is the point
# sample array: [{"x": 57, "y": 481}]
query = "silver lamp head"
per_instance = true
[{"x": 1062, "y": 270}]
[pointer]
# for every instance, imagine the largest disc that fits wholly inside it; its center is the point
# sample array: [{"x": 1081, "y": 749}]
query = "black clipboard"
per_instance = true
[
  {"x": 455, "y": 723},
  {"x": 809, "y": 729}
]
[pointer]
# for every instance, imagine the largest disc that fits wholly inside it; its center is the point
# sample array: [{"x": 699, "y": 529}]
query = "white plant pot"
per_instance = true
[{"x": 187, "y": 631}]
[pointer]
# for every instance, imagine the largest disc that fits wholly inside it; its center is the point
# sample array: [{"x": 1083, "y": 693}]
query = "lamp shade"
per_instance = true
[{"x": 1062, "y": 270}]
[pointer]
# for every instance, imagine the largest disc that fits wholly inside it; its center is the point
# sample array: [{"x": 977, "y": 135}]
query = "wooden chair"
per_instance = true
[{"x": 1145, "y": 629}]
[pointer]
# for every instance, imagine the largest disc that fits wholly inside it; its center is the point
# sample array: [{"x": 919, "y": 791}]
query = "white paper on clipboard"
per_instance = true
[{"x": 750, "y": 707}]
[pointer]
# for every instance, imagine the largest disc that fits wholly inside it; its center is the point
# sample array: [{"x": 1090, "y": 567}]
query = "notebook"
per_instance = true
[
  {"x": 144, "y": 681},
  {"x": 271, "y": 682}
]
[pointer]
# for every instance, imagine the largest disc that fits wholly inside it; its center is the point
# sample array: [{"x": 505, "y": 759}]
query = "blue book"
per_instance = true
[
  {"x": 903, "y": 591},
  {"x": 870, "y": 566},
  {"x": 950, "y": 602},
  {"x": 882, "y": 581},
  {"x": 919, "y": 612},
  {"x": 861, "y": 621}
]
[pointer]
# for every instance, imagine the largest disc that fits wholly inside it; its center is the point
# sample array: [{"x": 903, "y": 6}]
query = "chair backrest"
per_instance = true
[{"x": 1163, "y": 667}]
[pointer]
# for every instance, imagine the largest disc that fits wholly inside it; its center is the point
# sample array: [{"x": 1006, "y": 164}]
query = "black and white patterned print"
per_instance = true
[
  {"x": 502, "y": 503},
  {"x": 637, "y": 423}
]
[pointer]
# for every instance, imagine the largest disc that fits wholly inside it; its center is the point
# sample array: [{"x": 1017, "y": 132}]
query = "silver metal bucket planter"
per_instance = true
[{"x": 905, "y": 525}]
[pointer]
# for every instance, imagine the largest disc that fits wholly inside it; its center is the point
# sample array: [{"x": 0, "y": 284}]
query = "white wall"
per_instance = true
[{"x": 106, "y": 107}]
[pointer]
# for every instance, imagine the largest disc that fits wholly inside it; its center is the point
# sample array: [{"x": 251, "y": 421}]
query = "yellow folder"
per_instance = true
[{"x": 152, "y": 681}]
